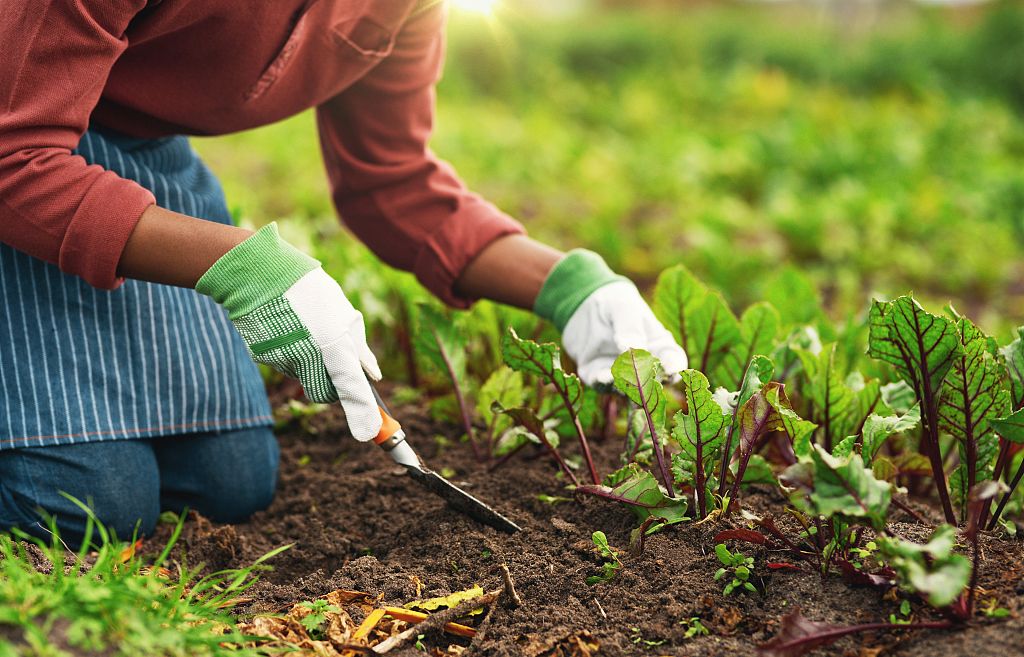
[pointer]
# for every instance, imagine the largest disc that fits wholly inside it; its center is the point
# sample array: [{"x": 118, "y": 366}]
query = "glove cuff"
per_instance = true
[
  {"x": 258, "y": 270},
  {"x": 573, "y": 279}
]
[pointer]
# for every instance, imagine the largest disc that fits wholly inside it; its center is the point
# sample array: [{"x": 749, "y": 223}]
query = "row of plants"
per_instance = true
[{"x": 934, "y": 414}]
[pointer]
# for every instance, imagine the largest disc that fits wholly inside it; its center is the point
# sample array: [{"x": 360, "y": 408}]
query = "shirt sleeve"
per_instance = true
[
  {"x": 53, "y": 206},
  {"x": 408, "y": 206}
]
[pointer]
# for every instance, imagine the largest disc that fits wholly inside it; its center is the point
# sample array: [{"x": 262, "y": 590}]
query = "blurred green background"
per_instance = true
[{"x": 781, "y": 151}]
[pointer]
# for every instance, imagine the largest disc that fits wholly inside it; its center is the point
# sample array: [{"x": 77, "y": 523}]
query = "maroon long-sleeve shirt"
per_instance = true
[{"x": 207, "y": 67}]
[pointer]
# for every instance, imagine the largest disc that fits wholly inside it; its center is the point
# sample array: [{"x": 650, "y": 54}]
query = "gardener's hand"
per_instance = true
[
  {"x": 295, "y": 318},
  {"x": 602, "y": 315}
]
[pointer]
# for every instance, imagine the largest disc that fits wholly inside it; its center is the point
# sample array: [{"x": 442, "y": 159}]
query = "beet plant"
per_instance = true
[
  {"x": 964, "y": 388},
  {"x": 442, "y": 342},
  {"x": 544, "y": 360},
  {"x": 700, "y": 434}
]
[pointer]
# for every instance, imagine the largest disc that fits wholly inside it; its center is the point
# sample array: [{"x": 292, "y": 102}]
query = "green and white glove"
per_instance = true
[
  {"x": 295, "y": 318},
  {"x": 601, "y": 315}
]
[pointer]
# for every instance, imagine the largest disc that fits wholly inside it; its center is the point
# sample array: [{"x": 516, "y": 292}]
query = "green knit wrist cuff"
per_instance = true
[
  {"x": 573, "y": 279},
  {"x": 256, "y": 271}
]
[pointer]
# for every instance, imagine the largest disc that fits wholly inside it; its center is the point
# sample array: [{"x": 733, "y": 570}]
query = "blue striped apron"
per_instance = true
[{"x": 86, "y": 365}]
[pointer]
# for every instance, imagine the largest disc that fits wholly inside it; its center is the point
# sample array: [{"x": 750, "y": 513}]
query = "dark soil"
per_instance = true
[{"x": 359, "y": 523}]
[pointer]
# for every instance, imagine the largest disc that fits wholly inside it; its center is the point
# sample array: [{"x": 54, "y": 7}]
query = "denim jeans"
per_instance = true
[{"x": 226, "y": 476}]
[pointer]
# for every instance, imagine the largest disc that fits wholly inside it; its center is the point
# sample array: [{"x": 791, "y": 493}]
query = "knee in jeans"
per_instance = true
[
  {"x": 125, "y": 515},
  {"x": 245, "y": 485}
]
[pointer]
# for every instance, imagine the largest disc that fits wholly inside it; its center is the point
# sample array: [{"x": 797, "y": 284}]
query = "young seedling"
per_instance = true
[
  {"x": 904, "y": 616},
  {"x": 735, "y": 567},
  {"x": 694, "y": 627},
  {"x": 317, "y": 616},
  {"x": 610, "y": 565},
  {"x": 638, "y": 638}
]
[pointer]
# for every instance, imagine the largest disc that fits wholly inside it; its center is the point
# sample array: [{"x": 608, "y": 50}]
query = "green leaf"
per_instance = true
[
  {"x": 972, "y": 395},
  {"x": 933, "y": 570},
  {"x": 844, "y": 447},
  {"x": 698, "y": 318},
  {"x": 699, "y": 432},
  {"x": 1010, "y": 427},
  {"x": 545, "y": 361},
  {"x": 601, "y": 543},
  {"x": 637, "y": 489},
  {"x": 878, "y": 429},
  {"x": 1013, "y": 354},
  {"x": 755, "y": 418},
  {"x": 723, "y": 554},
  {"x": 758, "y": 327},
  {"x": 759, "y": 471},
  {"x": 637, "y": 374},
  {"x": 677, "y": 295},
  {"x": 798, "y": 429},
  {"x": 844, "y": 487},
  {"x": 527, "y": 427},
  {"x": 504, "y": 386},
  {"x": 867, "y": 400},
  {"x": 898, "y": 396},
  {"x": 441, "y": 341},
  {"x": 921, "y": 346},
  {"x": 759, "y": 371},
  {"x": 793, "y": 293},
  {"x": 637, "y": 448},
  {"x": 832, "y": 401}
]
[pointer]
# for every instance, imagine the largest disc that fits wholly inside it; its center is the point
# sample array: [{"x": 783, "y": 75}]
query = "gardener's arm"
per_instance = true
[
  {"x": 54, "y": 206},
  {"x": 415, "y": 213}
]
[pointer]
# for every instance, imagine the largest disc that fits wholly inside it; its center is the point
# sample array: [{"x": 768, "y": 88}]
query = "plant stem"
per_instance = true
[
  {"x": 611, "y": 412},
  {"x": 584, "y": 445},
  {"x": 1006, "y": 496},
  {"x": 902, "y": 506},
  {"x": 666, "y": 479},
  {"x": 560, "y": 460},
  {"x": 935, "y": 457},
  {"x": 997, "y": 474},
  {"x": 505, "y": 459},
  {"x": 974, "y": 575},
  {"x": 467, "y": 423},
  {"x": 727, "y": 448},
  {"x": 405, "y": 343},
  {"x": 932, "y": 421},
  {"x": 817, "y": 638}
]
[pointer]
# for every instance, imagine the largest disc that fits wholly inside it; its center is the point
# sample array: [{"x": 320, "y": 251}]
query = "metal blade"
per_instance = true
[{"x": 462, "y": 501}]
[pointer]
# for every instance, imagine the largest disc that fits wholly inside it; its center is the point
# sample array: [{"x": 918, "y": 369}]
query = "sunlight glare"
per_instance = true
[{"x": 485, "y": 7}]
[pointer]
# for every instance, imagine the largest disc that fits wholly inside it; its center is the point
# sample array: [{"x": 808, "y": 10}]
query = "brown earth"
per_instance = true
[{"x": 359, "y": 523}]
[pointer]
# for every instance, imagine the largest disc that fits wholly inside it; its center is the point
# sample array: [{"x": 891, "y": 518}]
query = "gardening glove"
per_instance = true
[
  {"x": 601, "y": 315},
  {"x": 295, "y": 318}
]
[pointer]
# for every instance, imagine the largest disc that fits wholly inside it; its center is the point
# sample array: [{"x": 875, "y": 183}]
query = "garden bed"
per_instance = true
[{"x": 358, "y": 523}]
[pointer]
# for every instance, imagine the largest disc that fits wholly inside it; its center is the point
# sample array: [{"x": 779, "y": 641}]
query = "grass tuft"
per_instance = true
[{"x": 105, "y": 599}]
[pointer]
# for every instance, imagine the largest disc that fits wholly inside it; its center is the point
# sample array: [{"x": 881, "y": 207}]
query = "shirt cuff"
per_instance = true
[
  {"x": 99, "y": 230},
  {"x": 448, "y": 251}
]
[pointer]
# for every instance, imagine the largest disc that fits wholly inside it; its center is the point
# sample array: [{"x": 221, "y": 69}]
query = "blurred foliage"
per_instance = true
[{"x": 767, "y": 150}]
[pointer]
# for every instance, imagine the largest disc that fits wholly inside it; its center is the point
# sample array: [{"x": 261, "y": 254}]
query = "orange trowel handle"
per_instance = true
[{"x": 389, "y": 427}]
